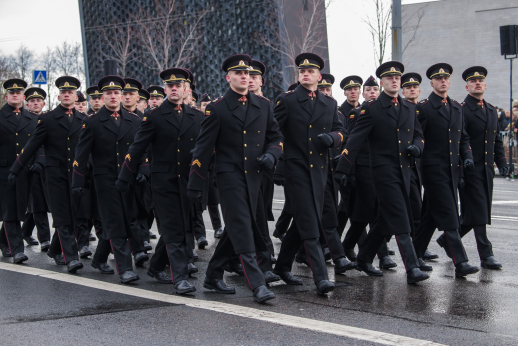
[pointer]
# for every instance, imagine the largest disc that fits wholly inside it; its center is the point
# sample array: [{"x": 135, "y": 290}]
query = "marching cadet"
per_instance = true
[
  {"x": 309, "y": 122},
  {"x": 189, "y": 87},
  {"x": 81, "y": 105},
  {"x": 58, "y": 132},
  {"x": 156, "y": 96},
  {"x": 38, "y": 207},
  {"x": 194, "y": 98},
  {"x": 410, "y": 85},
  {"x": 131, "y": 96},
  {"x": 143, "y": 100},
  {"x": 241, "y": 128},
  {"x": 391, "y": 127},
  {"x": 476, "y": 195},
  {"x": 17, "y": 126},
  {"x": 204, "y": 101},
  {"x": 106, "y": 137},
  {"x": 95, "y": 101},
  {"x": 447, "y": 148},
  {"x": 171, "y": 129},
  {"x": 257, "y": 71}
]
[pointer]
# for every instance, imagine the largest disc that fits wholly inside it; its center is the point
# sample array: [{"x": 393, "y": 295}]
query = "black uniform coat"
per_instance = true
[
  {"x": 38, "y": 201},
  {"x": 239, "y": 138},
  {"x": 15, "y": 132},
  {"x": 389, "y": 131},
  {"x": 345, "y": 191},
  {"x": 447, "y": 144},
  {"x": 305, "y": 157},
  {"x": 172, "y": 139},
  {"x": 108, "y": 144},
  {"x": 59, "y": 138},
  {"x": 482, "y": 128}
]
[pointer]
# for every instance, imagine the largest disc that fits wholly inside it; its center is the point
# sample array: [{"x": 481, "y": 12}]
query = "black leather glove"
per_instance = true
[
  {"x": 12, "y": 178},
  {"x": 36, "y": 168},
  {"x": 195, "y": 196},
  {"x": 341, "y": 178},
  {"x": 122, "y": 186},
  {"x": 336, "y": 159},
  {"x": 504, "y": 171},
  {"x": 351, "y": 180},
  {"x": 266, "y": 161},
  {"x": 141, "y": 178},
  {"x": 469, "y": 164},
  {"x": 77, "y": 191},
  {"x": 326, "y": 140},
  {"x": 462, "y": 183},
  {"x": 278, "y": 180},
  {"x": 413, "y": 150}
]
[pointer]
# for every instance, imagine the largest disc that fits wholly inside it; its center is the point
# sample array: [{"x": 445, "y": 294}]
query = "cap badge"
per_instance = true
[
  {"x": 351, "y": 82},
  {"x": 242, "y": 63},
  {"x": 15, "y": 86},
  {"x": 36, "y": 93},
  {"x": 306, "y": 62},
  {"x": 155, "y": 92},
  {"x": 66, "y": 84},
  {"x": 477, "y": 74},
  {"x": 392, "y": 69},
  {"x": 172, "y": 76},
  {"x": 441, "y": 70},
  {"x": 412, "y": 80},
  {"x": 127, "y": 85},
  {"x": 111, "y": 83},
  {"x": 323, "y": 81}
]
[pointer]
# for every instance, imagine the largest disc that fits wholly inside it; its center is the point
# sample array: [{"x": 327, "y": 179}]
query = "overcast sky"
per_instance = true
[{"x": 39, "y": 24}]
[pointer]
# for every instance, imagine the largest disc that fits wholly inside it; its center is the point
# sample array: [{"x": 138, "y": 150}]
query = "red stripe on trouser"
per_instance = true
[
  {"x": 115, "y": 258},
  {"x": 451, "y": 249},
  {"x": 170, "y": 265},
  {"x": 309, "y": 259},
  {"x": 400, "y": 251},
  {"x": 61, "y": 245},
  {"x": 7, "y": 237},
  {"x": 244, "y": 271}
]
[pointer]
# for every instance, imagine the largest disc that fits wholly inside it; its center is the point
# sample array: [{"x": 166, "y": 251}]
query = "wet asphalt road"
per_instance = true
[{"x": 479, "y": 310}]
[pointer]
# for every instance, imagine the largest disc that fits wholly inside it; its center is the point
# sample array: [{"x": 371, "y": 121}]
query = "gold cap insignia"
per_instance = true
[
  {"x": 66, "y": 84},
  {"x": 476, "y": 74},
  {"x": 392, "y": 69},
  {"x": 441, "y": 70},
  {"x": 155, "y": 92},
  {"x": 323, "y": 81},
  {"x": 15, "y": 86},
  {"x": 351, "y": 82},
  {"x": 36, "y": 93},
  {"x": 172, "y": 76},
  {"x": 127, "y": 85},
  {"x": 412, "y": 80},
  {"x": 111, "y": 83},
  {"x": 306, "y": 62},
  {"x": 242, "y": 63}
]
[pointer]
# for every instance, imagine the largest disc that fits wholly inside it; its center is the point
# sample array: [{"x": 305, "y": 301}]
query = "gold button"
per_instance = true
[
  {"x": 17, "y": 144},
  {"x": 257, "y": 144},
  {"x": 450, "y": 140},
  {"x": 399, "y": 154},
  {"x": 449, "y": 130},
  {"x": 178, "y": 150},
  {"x": 401, "y": 166},
  {"x": 17, "y": 154},
  {"x": 399, "y": 141},
  {"x": 486, "y": 163},
  {"x": 310, "y": 152},
  {"x": 178, "y": 163},
  {"x": 397, "y": 130},
  {"x": 17, "y": 134},
  {"x": 408, "y": 142},
  {"x": 451, "y": 164},
  {"x": 245, "y": 158},
  {"x": 322, "y": 167},
  {"x": 117, "y": 154},
  {"x": 310, "y": 139},
  {"x": 458, "y": 130},
  {"x": 485, "y": 141},
  {"x": 451, "y": 153},
  {"x": 244, "y": 132},
  {"x": 486, "y": 152},
  {"x": 258, "y": 131},
  {"x": 311, "y": 166},
  {"x": 245, "y": 145},
  {"x": 68, "y": 159},
  {"x": 69, "y": 169},
  {"x": 408, "y": 130},
  {"x": 178, "y": 175},
  {"x": 309, "y": 126},
  {"x": 320, "y": 154},
  {"x": 68, "y": 149},
  {"x": 116, "y": 142},
  {"x": 29, "y": 134},
  {"x": 324, "y": 128},
  {"x": 246, "y": 172},
  {"x": 178, "y": 138},
  {"x": 118, "y": 165},
  {"x": 68, "y": 138},
  {"x": 191, "y": 139}
]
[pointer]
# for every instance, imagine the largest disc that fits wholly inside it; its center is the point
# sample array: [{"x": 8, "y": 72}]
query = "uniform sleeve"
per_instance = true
[
  {"x": 499, "y": 152},
  {"x": 280, "y": 112},
  {"x": 82, "y": 155},
  {"x": 338, "y": 130},
  {"x": 351, "y": 123},
  {"x": 32, "y": 146},
  {"x": 418, "y": 139},
  {"x": 204, "y": 148},
  {"x": 40, "y": 156},
  {"x": 465, "y": 148},
  {"x": 274, "y": 139},
  {"x": 136, "y": 156}
]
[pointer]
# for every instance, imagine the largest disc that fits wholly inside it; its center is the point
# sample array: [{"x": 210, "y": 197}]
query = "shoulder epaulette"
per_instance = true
[
  {"x": 289, "y": 92},
  {"x": 153, "y": 109},
  {"x": 197, "y": 109},
  {"x": 135, "y": 114},
  {"x": 372, "y": 100},
  {"x": 422, "y": 102},
  {"x": 218, "y": 99},
  {"x": 264, "y": 98},
  {"x": 457, "y": 102}
]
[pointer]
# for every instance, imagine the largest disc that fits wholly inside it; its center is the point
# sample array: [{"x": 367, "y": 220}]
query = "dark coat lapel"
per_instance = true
[
  {"x": 167, "y": 110},
  {"x": 233, "y": 105},
  {"x": 60, "y": 114},
  {"x": 303, "y": 97},
  {"x": 8, "y": 113},
  {"x": 76, "y": 123},
  {"x": 403, "y": 113},
  {"x": 126, "y": 121},
  {"x": 105, "y": 116},
  {"x": 254, "y": 109},
  {"x": 187, "y": 119},
  {"x": 320, "y": 107},
  {"x": 25, "y": 119},
  {"x": 456, "y": 111},
  {"x": 386, "y": 102}
]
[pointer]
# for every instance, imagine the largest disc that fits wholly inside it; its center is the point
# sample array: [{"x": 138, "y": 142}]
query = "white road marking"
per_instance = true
[
  {"x": 504, "y": 202},
  {"x": 231, "y": 309}
]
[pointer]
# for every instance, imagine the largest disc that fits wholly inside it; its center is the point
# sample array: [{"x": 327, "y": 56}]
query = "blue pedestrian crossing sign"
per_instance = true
[{"x": 40, "y": 77}]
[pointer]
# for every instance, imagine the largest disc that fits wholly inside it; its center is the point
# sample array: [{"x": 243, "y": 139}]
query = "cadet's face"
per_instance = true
[
  {"x": 391, "y": 84},
  {"x": 309, "y": 77},
  {"x": 440, "y": 84},
  {"x": 155, "y": 101},
  {"x": 203, "y": 105},
  {"x": 129, "y": 99},
  {"x": 411, "y": 92},
  {"x": 112, "y": 99},
  {"x": 80, "y": 106},
  {"x": 141, "y": 105},
  {"x": 255, "y": 83},
  {"x": 371, "y": 92},
  {"x": 188, "y": 91},
  {"x": 15, "y": 98},
  {"x": 67, "y": 98},
  {"x": 175, "y": 92},
  {"x": 238, "y": 80},
  {"x": 476, "y": 86},
  {"x": 35, "y": 105},
  {"x": 327, "y": 90},
  {"x": 96, "y": 103},
  {"x": 352, "y": 94}
]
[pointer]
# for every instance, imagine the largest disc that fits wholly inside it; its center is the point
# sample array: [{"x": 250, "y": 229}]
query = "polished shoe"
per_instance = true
[
  {"x": 423, "y": 266},
  {"x": 191, "y": 268},
  {"x": 342, "y": 265},
  {"x": 91, "y": 237},
  {"x": 415, "y": 275},
  {"x": 30, "y": 240},
  {"x": 262, "y": 294},
  {"x": 386, "y": 263},
  {"x": 302, "y": 259},
  {"x": 464, "y": 268},
  {"x": 85, "y": 252},
  {"x": 368, "y": 268},
  {"x": 391, "y": 252},
  {"x": 195, "y": 256},
  {"x": 128, "y": 276},
  {"x": 273, "y": 260},
  {"x": 161, "y": 277},
  {"x": 152, "y": 235},
  {"x": 235, "y": 268},
  {"x": 20, "y": 257},
  {"x": 269, "y": 276},
  {"x": 73, "y": 266},
  {"x": 327, "y": 254},
  {"x": 45, "y": 246},
  {"x": 184, "y": 287},
  {"x": 219, "y": 286},
  {"x": 442, "y": 243},
  {"x": 202, "y": 242},
  {"x": 278, "y": 235},
  {"x": 350, "y": 254},
  {"x": 218, "y": 233},
  {"x": 289, "y": 278},
  {"x": 429, "y": 255},
  {"x": 103, "y": 268},
  {"x": 147, "y": 246},
  {"x": 490, "y": 263},
  {"x": 324, "y": 286},
  {"x": 140, "y": 258},
  {"x": 6, "y": 252}
]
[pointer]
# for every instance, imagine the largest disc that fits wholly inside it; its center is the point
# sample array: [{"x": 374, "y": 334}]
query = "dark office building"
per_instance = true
[{"x": 229, "y": 27}]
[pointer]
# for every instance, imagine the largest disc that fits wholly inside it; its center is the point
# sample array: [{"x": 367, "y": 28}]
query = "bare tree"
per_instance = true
[
  {"x": 379, "y": 27},
  {"x": 411, "y": 24},
  {"x": 7, "y": 71},
  {"x": 47, "y": 62},
  {"x": 120, "y": 41},
  {"x": 69, "y": 60},
  {"x": 23, "y": 61}
]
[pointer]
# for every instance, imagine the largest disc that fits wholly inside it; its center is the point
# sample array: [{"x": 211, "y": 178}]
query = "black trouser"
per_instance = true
[
  {"x": 11, "y": 237},
  {"x": 199, "y": 225},
  {"x": 138, "y": 236},
  {"x": 82, "y": 232},
  {"x": 122, "y": 254},
  {"x": 160, "y": 258},
  {"x": 374, "y": 241},
  {"x": 143, "y": 226},
  {"x": 332, "y": 241},
  {"x": 63, "y": 241},
  {"x": 41, "y": 221},
  {"x": 177, "y": 260},
  {"x": 289, "y": 248},
  {"x": 224, "y": 251},
  {"x": 452, "y": 241},
  {"x": 214, "y": 215},
  {"x": 342, "y": 222},
  {"x": 484, "y": 246},
  {"x": 354, "y": 234}
]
